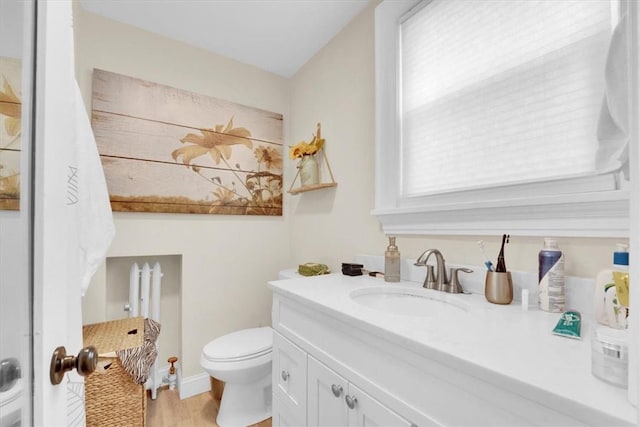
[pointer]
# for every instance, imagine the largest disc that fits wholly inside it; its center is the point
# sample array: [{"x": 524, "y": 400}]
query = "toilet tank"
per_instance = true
[{"x": 290, "y": 273}]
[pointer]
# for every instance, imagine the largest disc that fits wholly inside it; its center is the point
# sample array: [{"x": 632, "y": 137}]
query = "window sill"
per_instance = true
[{"x": 603, "y": 214}]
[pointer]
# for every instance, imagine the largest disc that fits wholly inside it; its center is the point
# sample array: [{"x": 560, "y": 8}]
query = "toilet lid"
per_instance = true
[{"x": 240, "y": 345}]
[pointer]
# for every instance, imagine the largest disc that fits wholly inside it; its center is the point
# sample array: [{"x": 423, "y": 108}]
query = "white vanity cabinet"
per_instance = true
[
  {"x": 333, "y": 401},
  {"x": 330, "y": 353}
]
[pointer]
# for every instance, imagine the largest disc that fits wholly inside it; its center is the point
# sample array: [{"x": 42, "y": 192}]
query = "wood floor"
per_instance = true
[{"x": 200, "y": 410}]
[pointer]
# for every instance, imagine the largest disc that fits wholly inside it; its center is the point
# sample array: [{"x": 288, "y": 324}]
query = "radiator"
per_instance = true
[{"x": 144, "y": 300}]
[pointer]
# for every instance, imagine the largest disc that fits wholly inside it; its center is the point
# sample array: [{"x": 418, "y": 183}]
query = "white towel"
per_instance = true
[
  {"x": 87, "y": 190},
  {"x": 613, "y": 124}
]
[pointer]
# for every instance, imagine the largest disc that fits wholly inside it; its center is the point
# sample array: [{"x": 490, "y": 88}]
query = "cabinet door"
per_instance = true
[
  {"x": 365, "y": 411},
  {"x": 326, "y": 391},
  {"x": 282, "y": 415},
  {"x": 289, "y": 375}
]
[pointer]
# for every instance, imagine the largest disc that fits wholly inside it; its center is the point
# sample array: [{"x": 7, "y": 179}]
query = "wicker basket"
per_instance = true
[{"x": 112, "y": 398}]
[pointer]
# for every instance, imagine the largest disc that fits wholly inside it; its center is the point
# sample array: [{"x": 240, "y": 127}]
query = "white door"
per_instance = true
[
  {"x": 57, "y": 319},
  {"x": 289, "y": 375},
  {"x": 365, "y": 411},
  {"x": 326, "y": 391},
  {"x": 39, "y": 297}
]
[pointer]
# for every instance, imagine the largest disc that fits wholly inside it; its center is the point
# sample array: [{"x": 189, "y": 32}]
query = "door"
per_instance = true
[
  {"x": 289, "y": 375},
  {"x": 39, "y": 289},
  {"x": 365, "y": 411},
  {"x": 326, "y": 392},
  {"x": 16, "y": 78},
  {"x": 333, "y": 401},
  {"x": 57, "y": 317}
]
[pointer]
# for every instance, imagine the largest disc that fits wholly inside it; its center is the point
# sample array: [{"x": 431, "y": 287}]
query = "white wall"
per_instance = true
[
  {"x": 226, "y": 260},
  {"x": 336, "y": 87}
]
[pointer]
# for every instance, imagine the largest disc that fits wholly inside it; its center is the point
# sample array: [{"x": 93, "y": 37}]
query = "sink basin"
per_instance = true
[{"x": 410, "y": 301}]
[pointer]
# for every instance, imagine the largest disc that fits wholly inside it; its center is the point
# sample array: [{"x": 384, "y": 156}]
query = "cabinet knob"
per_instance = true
[
  {"x": 285, "y": 375},
  {"x": 351, "y": 401},
  {"x": 336, "y": 390}
]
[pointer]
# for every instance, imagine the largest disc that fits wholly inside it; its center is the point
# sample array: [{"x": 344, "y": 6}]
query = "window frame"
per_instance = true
[{"x": 580, "y": 207}]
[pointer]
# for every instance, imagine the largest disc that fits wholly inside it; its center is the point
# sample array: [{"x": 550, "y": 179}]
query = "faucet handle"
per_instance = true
[
  {"x": 430, "y": 281},
  {"x": 455, "y": 287}
]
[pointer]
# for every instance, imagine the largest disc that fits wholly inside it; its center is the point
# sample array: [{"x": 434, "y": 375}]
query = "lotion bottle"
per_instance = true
[
  {"x": 612, "y": 290},
  {"x": 392, "y": 262},
  {"x": 551, "y": 277}
]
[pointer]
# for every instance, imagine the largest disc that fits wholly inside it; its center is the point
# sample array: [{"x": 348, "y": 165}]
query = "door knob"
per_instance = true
[
  {"x": 85, "y": 363},
  {"x": 10, "y": 373}
]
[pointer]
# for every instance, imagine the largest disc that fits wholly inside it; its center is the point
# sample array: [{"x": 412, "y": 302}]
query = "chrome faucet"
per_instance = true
[{"x": 439, "y": 280}]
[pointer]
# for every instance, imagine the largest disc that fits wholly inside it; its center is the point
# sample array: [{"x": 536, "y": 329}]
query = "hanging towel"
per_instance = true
[
  {"x": 87, "y": 189},
  {"x": 613, "y": 124}
]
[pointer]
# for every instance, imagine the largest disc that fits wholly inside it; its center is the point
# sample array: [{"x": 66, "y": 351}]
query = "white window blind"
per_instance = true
[{"x": 500, "y": 92}]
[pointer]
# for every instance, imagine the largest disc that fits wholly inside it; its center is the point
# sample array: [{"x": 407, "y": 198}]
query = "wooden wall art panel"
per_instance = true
[{"x": 170, "y": 150}]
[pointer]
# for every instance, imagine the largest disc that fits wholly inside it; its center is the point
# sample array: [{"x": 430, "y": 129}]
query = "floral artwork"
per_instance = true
[
  {"x": 10, "y": 133},
  {"x": 169, "y": 150}
]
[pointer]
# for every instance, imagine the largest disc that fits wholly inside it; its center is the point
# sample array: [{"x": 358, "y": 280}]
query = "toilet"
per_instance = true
[{"x": 242, "y": 359}]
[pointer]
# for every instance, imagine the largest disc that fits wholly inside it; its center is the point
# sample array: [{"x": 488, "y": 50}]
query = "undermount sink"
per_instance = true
[{"x": 409, "y": 301}]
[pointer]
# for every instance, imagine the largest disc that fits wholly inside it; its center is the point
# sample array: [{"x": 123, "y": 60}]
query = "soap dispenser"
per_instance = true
[
  {"x": 611, "y": 298},
  {"x": 392, "y": 262}
]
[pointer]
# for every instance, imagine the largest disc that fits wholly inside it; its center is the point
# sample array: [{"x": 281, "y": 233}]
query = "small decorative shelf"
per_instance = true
[
  {"x": 306, "y": 188},
  {"x": 312, "y": 187}
]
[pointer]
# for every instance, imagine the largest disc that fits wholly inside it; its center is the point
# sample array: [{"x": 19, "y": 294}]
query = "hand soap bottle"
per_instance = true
[
  {"x": 392, "y": 262},
  {"x": 611, "y": 296}
]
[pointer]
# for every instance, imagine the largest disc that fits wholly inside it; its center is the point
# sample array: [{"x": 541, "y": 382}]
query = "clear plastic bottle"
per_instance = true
[
  {"x": 610, "y": 302},
  {"x": 392, "y": 262},
  {"x": 551, "y": 277}
]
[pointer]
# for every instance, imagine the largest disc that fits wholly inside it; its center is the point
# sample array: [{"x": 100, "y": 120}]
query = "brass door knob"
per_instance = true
[{"x": 85, "y": 363}]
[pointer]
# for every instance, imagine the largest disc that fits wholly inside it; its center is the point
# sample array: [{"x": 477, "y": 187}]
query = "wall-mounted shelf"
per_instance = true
[{"x": 313, "y": 187}]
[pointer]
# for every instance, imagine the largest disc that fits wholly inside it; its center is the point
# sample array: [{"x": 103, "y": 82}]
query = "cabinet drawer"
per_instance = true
[{"x": 289, "y": 375}]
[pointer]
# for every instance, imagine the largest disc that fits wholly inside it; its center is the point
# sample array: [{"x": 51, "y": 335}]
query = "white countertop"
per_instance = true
[{"x": 503, "y": 339}]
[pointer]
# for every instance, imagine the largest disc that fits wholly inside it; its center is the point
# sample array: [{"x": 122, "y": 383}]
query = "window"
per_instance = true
[{"x": 487, "y": 118}]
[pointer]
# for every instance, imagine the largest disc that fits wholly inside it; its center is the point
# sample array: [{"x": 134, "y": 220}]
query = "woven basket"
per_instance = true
[{"x": 112, "y": 398}]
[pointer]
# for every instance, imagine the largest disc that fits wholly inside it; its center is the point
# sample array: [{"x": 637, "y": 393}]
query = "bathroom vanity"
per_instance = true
[{"x": 359, "y": 351}]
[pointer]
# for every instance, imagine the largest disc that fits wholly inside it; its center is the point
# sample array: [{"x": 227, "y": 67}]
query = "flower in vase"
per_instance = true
[{"x": 303, "y": 148}]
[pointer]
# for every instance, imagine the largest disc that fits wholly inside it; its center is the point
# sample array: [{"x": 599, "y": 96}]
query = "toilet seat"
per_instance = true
[{"x": 241, "y": 345}]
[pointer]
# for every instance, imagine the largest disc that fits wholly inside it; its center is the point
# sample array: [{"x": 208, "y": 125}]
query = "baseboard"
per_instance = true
[{"x": 193, "y": 385}]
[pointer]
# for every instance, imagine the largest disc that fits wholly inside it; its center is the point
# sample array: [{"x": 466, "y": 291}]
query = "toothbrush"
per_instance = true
[
  {"x": 502, "y": 268},
  {"x": 487, "y": 263}
]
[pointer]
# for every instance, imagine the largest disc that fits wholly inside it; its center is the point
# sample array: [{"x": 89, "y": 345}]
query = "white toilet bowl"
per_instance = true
[{"x": 242, "y": 360}]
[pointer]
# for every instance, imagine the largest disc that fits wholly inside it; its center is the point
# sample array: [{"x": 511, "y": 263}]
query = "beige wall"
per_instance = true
[
  {"x": 336, "y": 87},
  {"x": 226, "y": 260}
]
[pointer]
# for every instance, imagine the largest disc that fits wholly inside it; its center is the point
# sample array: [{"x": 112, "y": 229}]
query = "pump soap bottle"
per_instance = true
[
  {"x": 611, "y": 297},
  {"x": 392, "y": 262}
]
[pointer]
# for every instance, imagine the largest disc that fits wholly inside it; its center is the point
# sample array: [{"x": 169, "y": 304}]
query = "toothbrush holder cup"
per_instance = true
[{"x": 498, "y": 287}]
